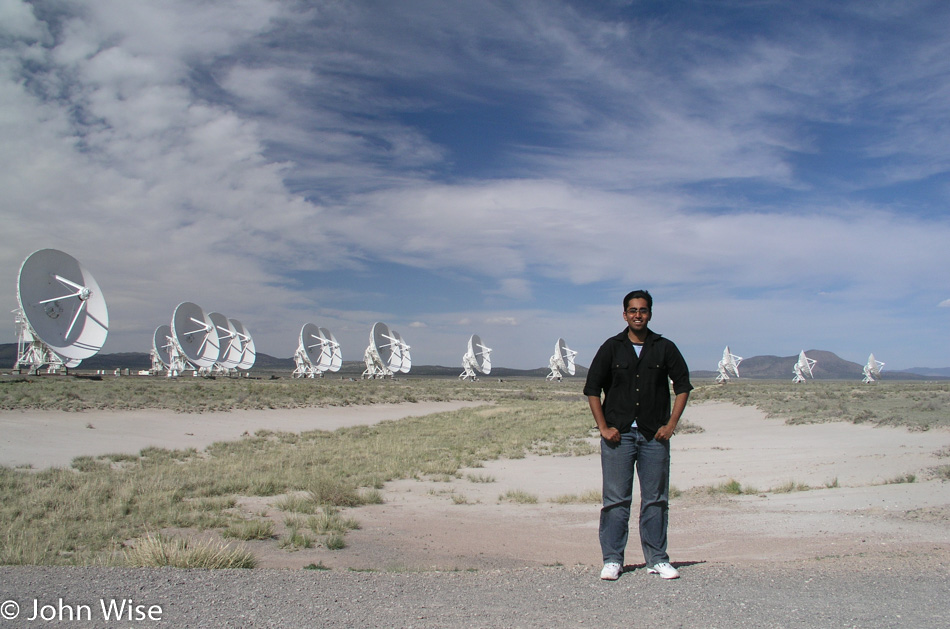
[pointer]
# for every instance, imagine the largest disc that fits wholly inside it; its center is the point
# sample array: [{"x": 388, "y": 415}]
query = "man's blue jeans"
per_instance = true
[{"x": 652, "y": 461}]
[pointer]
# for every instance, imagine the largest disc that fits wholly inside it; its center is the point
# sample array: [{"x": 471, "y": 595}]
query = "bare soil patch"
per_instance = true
[{"x": 853, "y": 508}]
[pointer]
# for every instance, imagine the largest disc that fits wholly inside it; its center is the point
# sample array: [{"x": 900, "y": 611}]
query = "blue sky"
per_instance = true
[{"x": 776, "y": 173}]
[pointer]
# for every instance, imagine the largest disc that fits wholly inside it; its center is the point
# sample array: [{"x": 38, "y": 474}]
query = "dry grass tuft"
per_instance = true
[{"x": 155, "y": 551}]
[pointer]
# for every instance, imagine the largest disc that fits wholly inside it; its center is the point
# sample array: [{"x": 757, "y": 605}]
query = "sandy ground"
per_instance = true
[
  {"x": 52, "y": 438},
  {"x": 853, "y": 510}
]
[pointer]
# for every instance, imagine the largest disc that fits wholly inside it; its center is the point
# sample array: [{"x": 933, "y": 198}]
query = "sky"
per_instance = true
[{"x": 775, "y": 173}]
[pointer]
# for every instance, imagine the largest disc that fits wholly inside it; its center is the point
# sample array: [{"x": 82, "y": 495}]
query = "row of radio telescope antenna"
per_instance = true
[
  {"x": 62, "y": 319},
  {"x": 207, "y": 343},
  {"x": 213, "y": 344},
  {"x": 801, "y": 369}
]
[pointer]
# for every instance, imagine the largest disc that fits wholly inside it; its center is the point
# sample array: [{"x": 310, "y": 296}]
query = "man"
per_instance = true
[{"x": 633, "y": 370}]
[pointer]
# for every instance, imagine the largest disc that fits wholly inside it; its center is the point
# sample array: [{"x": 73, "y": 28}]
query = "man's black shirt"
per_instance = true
[{"x": 637, "y": 389}]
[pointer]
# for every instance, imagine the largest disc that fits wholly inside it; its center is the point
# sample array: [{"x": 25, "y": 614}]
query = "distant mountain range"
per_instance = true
[{"x": 829, "y": 367}]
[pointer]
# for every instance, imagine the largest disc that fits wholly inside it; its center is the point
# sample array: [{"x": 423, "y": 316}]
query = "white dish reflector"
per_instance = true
[
  {"x": 63, "y": 304},
  {"x": 248, "y": 349},
  {"x": 194, "y": 333}
]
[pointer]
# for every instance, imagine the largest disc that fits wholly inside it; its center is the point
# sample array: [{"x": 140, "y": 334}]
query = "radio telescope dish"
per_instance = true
[
  {"x": 562, "y": 360},
  {"x": 62, "y": 316},
  {"x": 194, "y": 335},
  {"x": 309, "y": 350},
  {"x": 231, "y": 348},
  {"x": 382, "y": 353},
  {"x": 728, "y": 364},
  {"x": 405, "y": 360},
  {"x": 248, "y": 349},
  {"x": 317, "y": 352},
  {"x": 872, "y": 369},
  {"x": 803, "y": 367},
  {"x": 476, "y": 359},
  {"x": 331, "y": 347},
  {"x": 161, "y": 348}
]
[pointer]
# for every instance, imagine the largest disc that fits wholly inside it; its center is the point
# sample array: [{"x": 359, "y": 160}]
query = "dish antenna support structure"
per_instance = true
[
  {"x": 62, "y": 316},
  {"x": 477, "y": 359},
  {"x": 317, "y": 352},
  {"x": 872, "y": 370},
  {"x": 803, "y": 367},
  {"x": 562, "y": 360},
  {"x": 728, "y": 365},
  {"x": 387, "y": 353}
]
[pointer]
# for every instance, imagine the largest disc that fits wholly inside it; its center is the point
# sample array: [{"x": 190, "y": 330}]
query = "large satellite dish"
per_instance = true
[
  {"x": 386, "y": 354},
  {"x": 317, "y": 352},
  {"x": 405, "y": 360},
  {"x": 62, "y": 316},
  {"x": 728, "y": 365},
  {"x": 194, "y": 335},
  {"x": 803, "y": 367},
  {"x": 378, "y": 353},
  {"x": 333, "y": 348},
  {"x": 161, "y": 348},
  {"x": 872, "y": 370},
  {"x": 309, "y": 350},
  {"x": 248, "y": 349},
  {"x": 231, "y": 348},
  {"x": 562, "y": 360},
  {"x": 477, "y": 359}
]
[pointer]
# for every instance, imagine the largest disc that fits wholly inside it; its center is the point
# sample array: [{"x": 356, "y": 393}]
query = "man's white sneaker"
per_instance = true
[
  {"x": 665, "y": 571},
  {"x": 611, "y": 571}
]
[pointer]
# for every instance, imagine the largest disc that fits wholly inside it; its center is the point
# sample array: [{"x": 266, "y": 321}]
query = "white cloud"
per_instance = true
[
  {"x": 502, "y": 321},
  {"x": 17, "y": 21}
]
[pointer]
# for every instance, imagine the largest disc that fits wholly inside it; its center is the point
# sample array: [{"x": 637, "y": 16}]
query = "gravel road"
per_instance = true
[{"x": 838, "y": 592}]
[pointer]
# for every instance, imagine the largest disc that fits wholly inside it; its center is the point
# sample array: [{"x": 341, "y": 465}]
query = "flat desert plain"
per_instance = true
[{"x": 854, "y": 506}]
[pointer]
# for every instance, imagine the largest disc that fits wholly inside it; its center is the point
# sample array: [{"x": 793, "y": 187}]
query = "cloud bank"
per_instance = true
[{"x": 775, "y": 175}]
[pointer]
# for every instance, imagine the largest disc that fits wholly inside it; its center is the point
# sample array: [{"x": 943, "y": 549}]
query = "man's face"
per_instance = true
[{"x": 637, "y": 315}]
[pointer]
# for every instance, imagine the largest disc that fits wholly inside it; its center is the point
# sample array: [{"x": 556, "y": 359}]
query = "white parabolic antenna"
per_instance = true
[
  {"x": 248, "y": 349},
  {"x": 803, "y": 367},
  {"x": 161, "y": 347},
  {"x": 332, "y": 352},
  {"x": 477, "y": 359},
  {"x": 728, "y": 365},
  {"x": 386, "y": 354},
  {"x": 562, "y": 360},
  {"x": 317, "y": 352},
  {"x": 229, "y": 342},
  {"x": 309, "y": 350},
  {"x": 872, "y": 369},
  {"x": 194, "y": 335},
  {"x": 405, "y": 360},
  {"x": 62, "y": 314}
]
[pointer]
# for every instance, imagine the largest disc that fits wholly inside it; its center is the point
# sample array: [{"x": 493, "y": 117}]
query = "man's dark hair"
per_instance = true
[{"x": 638, "y": 294}]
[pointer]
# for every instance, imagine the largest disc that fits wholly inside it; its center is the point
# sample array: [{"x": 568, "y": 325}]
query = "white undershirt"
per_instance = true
[{"x": 636, "y": 350}]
